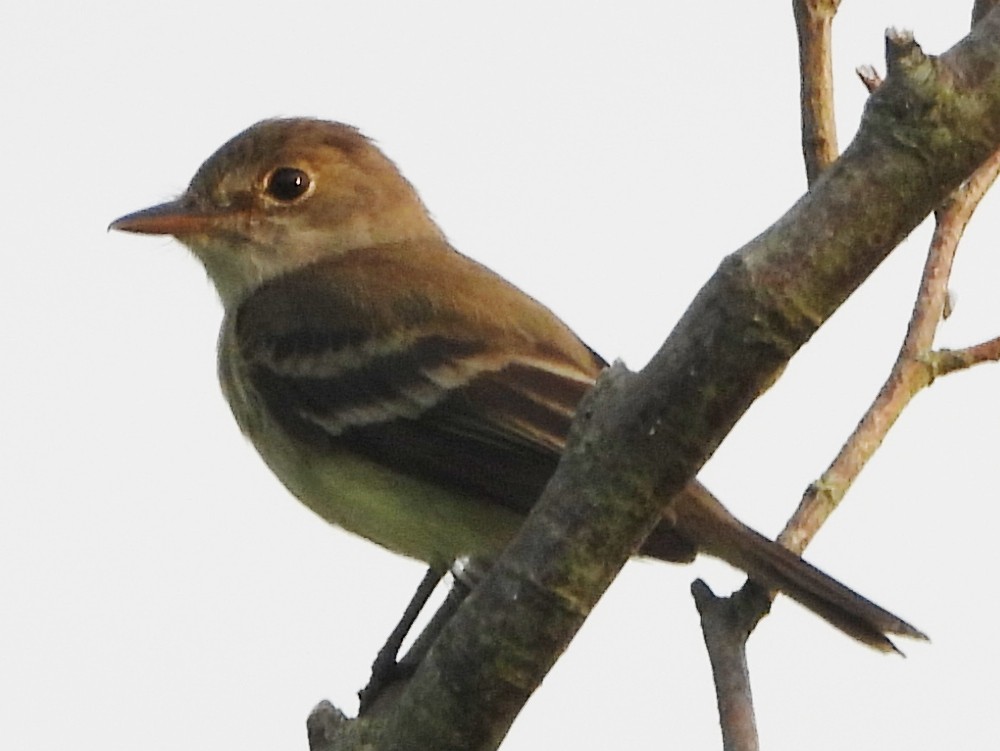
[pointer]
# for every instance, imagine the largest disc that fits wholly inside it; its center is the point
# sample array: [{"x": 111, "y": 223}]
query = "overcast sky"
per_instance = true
[{"x": 159, "y": 589}]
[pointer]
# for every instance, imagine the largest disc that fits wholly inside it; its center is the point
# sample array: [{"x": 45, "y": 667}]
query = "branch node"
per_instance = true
[
  {"x": 324, "y": 724},
  {"x": 903, "y": 56},
  {"x": 869, "y": 77},
  {"x": 738, "y": 613}
]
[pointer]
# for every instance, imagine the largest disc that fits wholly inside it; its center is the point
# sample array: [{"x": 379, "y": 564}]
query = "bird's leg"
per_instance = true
[
  {"x": 464, "y": 581},
  {"x": 386, "y": 669}
]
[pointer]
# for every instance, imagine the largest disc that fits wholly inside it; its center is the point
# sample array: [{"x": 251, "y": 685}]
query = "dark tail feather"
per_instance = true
[{"x": 699, "y": 517}]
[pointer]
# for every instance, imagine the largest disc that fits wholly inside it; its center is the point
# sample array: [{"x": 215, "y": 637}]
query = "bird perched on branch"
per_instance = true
[{"x": 396, "y": 387}]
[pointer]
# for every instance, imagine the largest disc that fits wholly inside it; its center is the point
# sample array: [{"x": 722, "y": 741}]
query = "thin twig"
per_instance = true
[
  {"x": 869, "y": 77},
  {"x": 726, "y": 624},
  {"x": 946, "y": 361},
  {"x": 814, "y": 24},
  {"x": 916, "y": 366}
]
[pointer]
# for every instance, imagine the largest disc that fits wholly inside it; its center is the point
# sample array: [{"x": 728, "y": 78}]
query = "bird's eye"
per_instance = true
[{"x": 285, "y": 184}]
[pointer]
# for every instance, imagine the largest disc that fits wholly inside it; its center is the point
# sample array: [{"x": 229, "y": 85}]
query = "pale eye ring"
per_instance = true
[{"x": 287, "y": 184}]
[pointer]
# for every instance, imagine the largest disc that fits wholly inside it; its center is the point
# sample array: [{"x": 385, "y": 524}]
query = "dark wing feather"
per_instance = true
[
  {"x": 495, "y": 437},
  {"x": 439, "y": 401}
]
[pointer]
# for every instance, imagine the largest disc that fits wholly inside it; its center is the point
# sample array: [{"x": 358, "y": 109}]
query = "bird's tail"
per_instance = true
[{"x": 697, "y": 516}]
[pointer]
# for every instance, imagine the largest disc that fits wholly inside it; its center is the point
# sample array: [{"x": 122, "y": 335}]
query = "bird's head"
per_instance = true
[{"x": 282, "y": 194}]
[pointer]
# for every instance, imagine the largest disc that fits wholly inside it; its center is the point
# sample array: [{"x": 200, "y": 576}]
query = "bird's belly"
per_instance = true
[{"x": 399, "y": 512}]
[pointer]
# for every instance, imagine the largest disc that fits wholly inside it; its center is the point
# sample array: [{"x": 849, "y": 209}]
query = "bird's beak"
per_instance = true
[{"x": 176, "y": 218}]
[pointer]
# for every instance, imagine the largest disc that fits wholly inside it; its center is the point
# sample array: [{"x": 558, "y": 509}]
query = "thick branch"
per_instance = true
[{"x": 641, "y": 437}]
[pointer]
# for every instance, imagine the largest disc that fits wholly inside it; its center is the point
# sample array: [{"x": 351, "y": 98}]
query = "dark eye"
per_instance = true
[{"x": 287, "y": 183}]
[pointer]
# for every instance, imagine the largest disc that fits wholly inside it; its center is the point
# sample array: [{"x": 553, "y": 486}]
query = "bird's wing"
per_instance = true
[{"x": 472, "y": 392}]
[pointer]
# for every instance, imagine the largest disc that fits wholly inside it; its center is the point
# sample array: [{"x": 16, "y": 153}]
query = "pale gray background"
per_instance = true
[{"x": 159, "y": 589}]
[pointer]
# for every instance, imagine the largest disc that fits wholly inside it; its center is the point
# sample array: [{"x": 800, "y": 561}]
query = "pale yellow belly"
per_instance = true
[{"x": 400, "y": 513}]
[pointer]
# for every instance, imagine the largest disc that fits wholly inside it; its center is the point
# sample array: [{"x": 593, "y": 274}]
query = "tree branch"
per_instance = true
[
  {"x": 640, "y": 437},
  {"x": 814, "y": 25},
  {"x": 728, "y": 622},
  {"x": 915, "y": 368}
]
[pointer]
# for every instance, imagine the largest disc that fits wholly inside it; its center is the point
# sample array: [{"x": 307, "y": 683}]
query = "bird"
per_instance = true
[{"x": 400, "y": 389}]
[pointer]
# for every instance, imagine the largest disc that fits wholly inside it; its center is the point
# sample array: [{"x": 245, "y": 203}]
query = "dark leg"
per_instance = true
[
  {"x": 459, "y": 591},
  {"x": 385, "y": 669}
]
